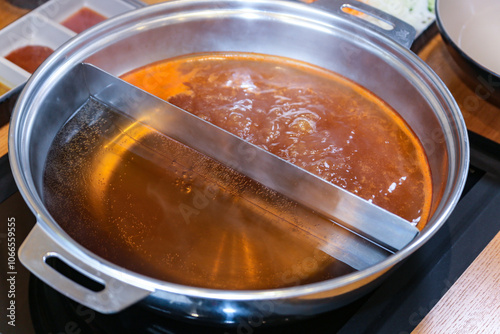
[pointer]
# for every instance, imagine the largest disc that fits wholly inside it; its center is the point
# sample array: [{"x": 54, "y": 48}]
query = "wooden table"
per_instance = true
[{"x": 472, "y": 304}]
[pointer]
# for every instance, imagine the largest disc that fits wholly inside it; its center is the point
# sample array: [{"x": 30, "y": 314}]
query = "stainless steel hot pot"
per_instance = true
[{"x": 329, "y": 38}]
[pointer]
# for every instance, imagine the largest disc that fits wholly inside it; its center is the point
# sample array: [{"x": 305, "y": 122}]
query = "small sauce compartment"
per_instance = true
[
  {"x": 77, "y": 16},
  {"x": 10, "y": 76},
  {"x": 83, "y": 19},
  {"x": 29, "y": 57},
  {"x": 30, "y": 40}
]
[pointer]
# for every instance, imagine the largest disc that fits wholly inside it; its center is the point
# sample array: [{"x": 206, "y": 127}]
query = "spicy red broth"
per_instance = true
[{"x": 309, "y": 116}]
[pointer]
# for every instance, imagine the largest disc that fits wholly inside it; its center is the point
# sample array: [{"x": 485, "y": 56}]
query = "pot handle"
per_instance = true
[
  {"x": 113, "y": 296},
  {"x": 399, "y": 31}
]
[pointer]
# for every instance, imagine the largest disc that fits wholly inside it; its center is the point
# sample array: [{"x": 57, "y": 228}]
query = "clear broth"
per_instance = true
[{"x": 150, "y": 204}]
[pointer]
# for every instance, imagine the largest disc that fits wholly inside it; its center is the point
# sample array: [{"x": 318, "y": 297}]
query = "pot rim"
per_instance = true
[{"x": 55, "y": 66}]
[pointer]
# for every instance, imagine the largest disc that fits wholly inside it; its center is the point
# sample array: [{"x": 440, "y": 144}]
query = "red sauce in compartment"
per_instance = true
[
  {"x": 29, "y": 57},
  {"x": 83, "y": 19}
]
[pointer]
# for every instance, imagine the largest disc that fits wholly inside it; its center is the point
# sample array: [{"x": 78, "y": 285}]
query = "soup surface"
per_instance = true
[
  {"x": 150, "y": 204},
  {"x": 311, "y": 117}
]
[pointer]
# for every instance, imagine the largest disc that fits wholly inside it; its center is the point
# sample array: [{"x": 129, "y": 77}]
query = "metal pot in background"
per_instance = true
[{"x": 329, "y": 38}]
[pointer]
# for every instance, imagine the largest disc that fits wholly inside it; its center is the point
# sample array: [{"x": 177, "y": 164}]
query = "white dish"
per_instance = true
[
  {"x": 60, "y": 10},
  {"x": 474, "y": 27}
]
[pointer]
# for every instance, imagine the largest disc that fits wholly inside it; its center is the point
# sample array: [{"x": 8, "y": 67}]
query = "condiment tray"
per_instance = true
[{"x": 43, "y": 27}]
